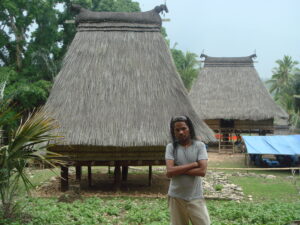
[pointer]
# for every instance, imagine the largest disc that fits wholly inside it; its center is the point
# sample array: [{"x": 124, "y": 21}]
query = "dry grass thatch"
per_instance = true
[
  {"x": 230, "y": 88},
  {"x": 119, "y": 87}
]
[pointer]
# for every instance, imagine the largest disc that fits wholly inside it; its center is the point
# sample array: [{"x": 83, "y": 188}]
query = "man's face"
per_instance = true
[{"x": 182, "y": 132}]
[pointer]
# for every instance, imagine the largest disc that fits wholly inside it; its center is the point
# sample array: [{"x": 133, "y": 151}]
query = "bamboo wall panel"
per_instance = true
[{"x": 244, "y": 124}]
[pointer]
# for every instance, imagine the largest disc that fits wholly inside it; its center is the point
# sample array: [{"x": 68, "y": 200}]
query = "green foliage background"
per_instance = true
[{"x": 285, "y": 85}]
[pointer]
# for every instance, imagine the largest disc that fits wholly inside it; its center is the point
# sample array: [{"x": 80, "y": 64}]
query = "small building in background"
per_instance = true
[{"x": 229, "y": 95}]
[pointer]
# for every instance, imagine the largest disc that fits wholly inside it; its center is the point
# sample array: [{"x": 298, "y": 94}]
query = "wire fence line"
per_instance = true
[{"x": 259, "y": 169}]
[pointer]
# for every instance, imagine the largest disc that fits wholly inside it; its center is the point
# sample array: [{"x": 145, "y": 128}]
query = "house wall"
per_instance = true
[
  {"x": 96, "y": 153},
  {"x": 244, "y": 124}
]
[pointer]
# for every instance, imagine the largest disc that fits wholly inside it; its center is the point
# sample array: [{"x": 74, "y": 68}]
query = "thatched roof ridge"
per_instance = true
[
  {"x": 119, "y": 89},
  {"x": 232, "y": 89},
  {"x": 149, "y": 17},
  {"x": 136, "y": 27},
  {"x": 228, "y": 61}
]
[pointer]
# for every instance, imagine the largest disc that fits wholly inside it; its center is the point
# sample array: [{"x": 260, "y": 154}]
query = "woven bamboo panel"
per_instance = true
[
  {"x": 244, "y": 124},
  {"x": 251, "y": 124},
  {"x": 109, "y": 154}
]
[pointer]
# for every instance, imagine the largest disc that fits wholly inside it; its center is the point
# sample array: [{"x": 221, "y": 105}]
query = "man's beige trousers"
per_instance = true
[{"x": 182, "y": 211}]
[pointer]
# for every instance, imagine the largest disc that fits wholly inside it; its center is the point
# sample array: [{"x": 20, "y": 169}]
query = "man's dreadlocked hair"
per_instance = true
[{"x": 188, "y": 122}]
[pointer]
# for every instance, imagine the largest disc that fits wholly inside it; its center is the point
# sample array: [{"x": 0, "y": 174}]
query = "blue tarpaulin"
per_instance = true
[{"x": 274, "y": 145}]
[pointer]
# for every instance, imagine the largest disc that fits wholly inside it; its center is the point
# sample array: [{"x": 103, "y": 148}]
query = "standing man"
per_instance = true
[{"x": 186, "y": 161}]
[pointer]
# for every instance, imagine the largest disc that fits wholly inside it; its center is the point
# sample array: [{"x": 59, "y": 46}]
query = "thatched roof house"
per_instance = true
[
  {"x": 230, "y": 88},
  {"x": 118, "y": 89}
]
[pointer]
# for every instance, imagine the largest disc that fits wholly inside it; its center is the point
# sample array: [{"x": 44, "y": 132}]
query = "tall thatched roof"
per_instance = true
[
  {"x": 230, "y": 88},
  {"x": 118, "y": 85}
]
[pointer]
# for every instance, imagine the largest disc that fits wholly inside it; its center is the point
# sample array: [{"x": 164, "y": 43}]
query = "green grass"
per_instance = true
[
  {"x": 37, "y": 177},
  {"x": 40, "y": 176},
  {"x": 275, "y": 201},
  {"x": 263, "y": 189},
  {"x": 134, "y": 211},
  {"x": 227, "y": 164},
  {"x": 275, "y": 212}
]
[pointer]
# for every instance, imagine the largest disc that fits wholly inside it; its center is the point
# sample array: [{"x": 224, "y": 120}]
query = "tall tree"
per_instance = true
[
  {"x": 187, "y": 66},
  {"x": 18, "y": 18},
  {"x": 282, "y": 82}
]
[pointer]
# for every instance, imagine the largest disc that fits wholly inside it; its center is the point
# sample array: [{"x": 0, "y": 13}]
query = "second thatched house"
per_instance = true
[
  {"x": 117, "y": 91},
  {"x": 232, "y": 99}
]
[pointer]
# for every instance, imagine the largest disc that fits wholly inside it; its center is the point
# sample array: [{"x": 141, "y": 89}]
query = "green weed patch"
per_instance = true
[
  {"x": 281, "y": 189},
  {"x": 133, "y": 211}
]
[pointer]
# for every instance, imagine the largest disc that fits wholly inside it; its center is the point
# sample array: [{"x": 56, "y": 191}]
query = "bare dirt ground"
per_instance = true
[
  {"x": 136, "y": 184},
  {"x": 214, "y": 157}
]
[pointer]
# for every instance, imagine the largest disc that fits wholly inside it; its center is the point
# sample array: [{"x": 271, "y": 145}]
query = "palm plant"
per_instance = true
[
  {"x": 190, "y": 69},
  {"x": 283, "y": 85},
  {"x": 187, "y": 66},
  {"x": 282, "y": 80},
  {"x": 14, "y": 156}
]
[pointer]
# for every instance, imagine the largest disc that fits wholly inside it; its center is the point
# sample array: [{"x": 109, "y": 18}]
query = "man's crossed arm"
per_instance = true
[{"x": 193, "y": 169}]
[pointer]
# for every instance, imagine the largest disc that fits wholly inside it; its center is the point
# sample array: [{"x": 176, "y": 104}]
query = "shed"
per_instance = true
[{"x": 285, "y": 148}]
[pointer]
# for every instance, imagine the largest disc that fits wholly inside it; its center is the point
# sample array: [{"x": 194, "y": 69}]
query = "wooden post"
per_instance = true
[
  {"x": 117, "y": 174},
  {"x": 64, "y": 178},
  {"x": 90, "y": 175},
  {"x": 124, "y": 173},
  {"x": 220, "y": 140},
  {"x": 78, "y": 173},
  {"x": 150, "y": 176}
]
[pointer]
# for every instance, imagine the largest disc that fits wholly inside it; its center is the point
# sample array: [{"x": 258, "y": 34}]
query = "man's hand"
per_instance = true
[
  {"x": 198, "y": 171},
  {"x": 173, "y": 170}
]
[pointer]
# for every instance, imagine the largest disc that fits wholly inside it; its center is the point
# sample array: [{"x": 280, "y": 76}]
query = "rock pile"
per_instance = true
[{"x": 216, "y": 185}]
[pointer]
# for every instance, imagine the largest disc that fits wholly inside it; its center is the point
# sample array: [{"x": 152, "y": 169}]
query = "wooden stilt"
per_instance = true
[
  {"x": 64, "y": 180},
  {"x": 78, "y": 173},
  {"x": 150, "y": 176},
  {"x": 117, "y": 177},
  {"x": 90, "y": 176},
  {"x": 124, "y": 173},
  {"x": 109, "y": 172}
]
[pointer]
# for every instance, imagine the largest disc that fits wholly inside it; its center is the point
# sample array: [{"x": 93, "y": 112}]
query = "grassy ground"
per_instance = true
[
  {"x": 136, "y": 211},
  {"x": 266, "y": 190},
  {"x": 285, "y": 187},
  {"x": 275, "y": 201},
  {"x": 38, "y": 177}
]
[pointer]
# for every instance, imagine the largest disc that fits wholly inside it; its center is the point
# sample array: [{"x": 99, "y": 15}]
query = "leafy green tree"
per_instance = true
[
  {"x": 187, "y": 66},
  {"x": 4, "y": 75},
  {"x": 282, "y": 82},
  {"x": 17, "y": 19},
  {"x": 28, "y": 58}
]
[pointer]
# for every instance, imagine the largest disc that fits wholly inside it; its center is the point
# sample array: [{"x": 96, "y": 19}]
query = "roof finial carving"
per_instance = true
[
  {"x": 203, "y": 55},
  {"x": 161, "y": 8}
]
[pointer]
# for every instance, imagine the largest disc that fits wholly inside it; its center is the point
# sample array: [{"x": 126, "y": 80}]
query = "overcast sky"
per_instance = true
[{"x": 233, "y": 28}]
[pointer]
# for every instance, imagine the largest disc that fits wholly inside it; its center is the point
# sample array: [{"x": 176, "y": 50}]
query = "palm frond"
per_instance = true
[{"x": 37, "y": 129}]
